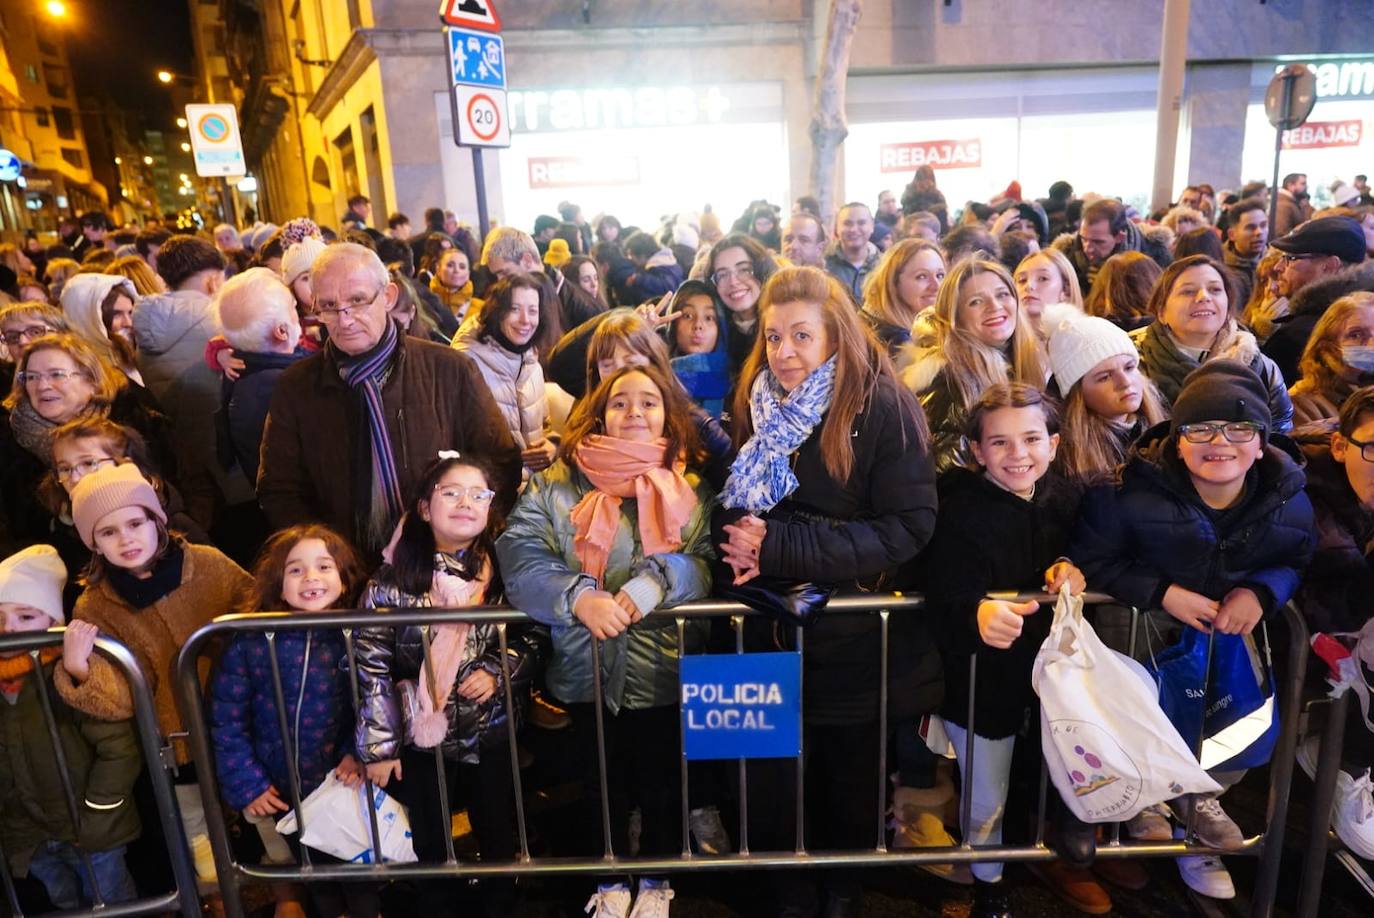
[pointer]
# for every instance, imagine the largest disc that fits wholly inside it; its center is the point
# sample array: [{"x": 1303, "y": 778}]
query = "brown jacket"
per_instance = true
[
  {"x": 154, "y": 635},
  {"x": 315, "y": 443}
]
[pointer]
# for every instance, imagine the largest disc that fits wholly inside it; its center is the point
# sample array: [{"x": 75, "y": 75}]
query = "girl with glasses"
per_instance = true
[{"x": 443, "y": 557}]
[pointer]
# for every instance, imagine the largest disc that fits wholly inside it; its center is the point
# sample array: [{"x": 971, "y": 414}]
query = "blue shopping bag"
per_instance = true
[{"x": 1231, "y": 719}]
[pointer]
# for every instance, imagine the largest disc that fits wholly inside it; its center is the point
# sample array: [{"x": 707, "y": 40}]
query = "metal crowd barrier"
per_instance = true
[
  {"x": 184, "y": 897},
  {"x": 1267, "y": 847}
]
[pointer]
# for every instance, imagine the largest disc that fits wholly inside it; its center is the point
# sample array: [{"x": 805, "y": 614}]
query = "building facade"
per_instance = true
[
  {"x": 41, "y": 122},
  {"x": 646, "y": 109}
]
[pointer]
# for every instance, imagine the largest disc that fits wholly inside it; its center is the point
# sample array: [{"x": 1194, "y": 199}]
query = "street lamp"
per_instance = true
[
  {"x": 55, "y": 8},
  {"x": 165, "y": 76},
  {"x": 185, "y": 147},
  {"x": 147, "y": 160},
  {"x": 181, "y": 122}
]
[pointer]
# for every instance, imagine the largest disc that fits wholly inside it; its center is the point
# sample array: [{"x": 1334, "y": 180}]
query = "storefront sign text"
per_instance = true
[
  {"x": 939, "y": 154},
  {"x": 579, "y": 172},
  {"x": 598, "y": 109},
  {"x": 1315, "y": 135},
  {"x": 1351, "y": 79}
]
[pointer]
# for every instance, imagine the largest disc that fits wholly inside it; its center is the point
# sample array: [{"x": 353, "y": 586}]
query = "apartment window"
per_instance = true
[
  {"x": 66, "y": 128},
  {"x": 47, "y": 47},
  {"x": 31, "y": 73},
  {"x": 372, "y": 156},
  {"x": 56, "y": 78},
  {"x": 74, "y": 157},
  {"x": 348, "y": 163},
  {"x": 41, "y": 116}
]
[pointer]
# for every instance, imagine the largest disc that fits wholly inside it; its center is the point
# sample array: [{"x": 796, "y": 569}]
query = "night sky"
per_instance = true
[{"x": 119, "y": 45}]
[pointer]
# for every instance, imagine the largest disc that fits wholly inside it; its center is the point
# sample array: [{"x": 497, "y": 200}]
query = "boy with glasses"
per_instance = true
[{"x": 1208, "y": 522}]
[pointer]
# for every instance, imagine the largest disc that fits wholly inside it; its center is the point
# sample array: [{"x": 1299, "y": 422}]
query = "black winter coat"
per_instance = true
[
  {"x": 243, "y": 408},
  {"x": 857, "y": 533},
  {"x": 1152, "y": 530},
  {"x": 1289, "y": 339},
  {"x": 990, "y": 540},
  {"x": 1336, "y": 589}
]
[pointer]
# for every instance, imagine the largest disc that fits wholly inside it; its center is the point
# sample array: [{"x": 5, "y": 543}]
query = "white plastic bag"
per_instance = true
[
  {"x": 1110, "y": 749},
  {"x": 336, "y": 823}
]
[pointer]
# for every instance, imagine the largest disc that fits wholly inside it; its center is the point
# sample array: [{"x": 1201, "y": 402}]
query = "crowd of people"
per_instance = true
[{"x": 595, "y": 422}]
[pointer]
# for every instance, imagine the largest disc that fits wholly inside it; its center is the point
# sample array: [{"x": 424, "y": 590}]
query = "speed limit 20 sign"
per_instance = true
[{"x": 480, "y": 117}]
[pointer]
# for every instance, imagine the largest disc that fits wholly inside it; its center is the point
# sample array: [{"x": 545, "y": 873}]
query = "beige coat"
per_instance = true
[{"x": 516, "y": 382}]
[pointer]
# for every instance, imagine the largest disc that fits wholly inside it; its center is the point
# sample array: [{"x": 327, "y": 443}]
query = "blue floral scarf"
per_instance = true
[{"x": 761, "y": 475}]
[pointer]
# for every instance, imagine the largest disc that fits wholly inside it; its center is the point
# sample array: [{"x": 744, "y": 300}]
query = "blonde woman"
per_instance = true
[
  {"x": 1044, "y": 278},
  {"x": 1338, "y": 359},
  {"x": 979, "y": 335},
  {"x": 136, "y": 270},
  {"x": 906, "y": 281}
]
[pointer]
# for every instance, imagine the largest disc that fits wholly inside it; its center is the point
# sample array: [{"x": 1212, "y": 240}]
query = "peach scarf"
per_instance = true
[
  {"x": 446, "y": 651},
  {"x": 627, "y": 468}
]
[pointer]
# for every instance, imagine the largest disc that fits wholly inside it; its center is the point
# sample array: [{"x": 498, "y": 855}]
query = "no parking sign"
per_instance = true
[{"x": 215, "y": 141}]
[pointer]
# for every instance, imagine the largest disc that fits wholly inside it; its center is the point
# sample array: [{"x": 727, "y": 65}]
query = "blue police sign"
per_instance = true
[
  {"x": 477, "y": 58},
  {"x": 10, "y": 166},
  {"x": 741, "y": 706}
]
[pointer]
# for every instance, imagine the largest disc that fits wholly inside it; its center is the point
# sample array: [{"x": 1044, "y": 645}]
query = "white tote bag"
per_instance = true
[
  {"x": 336, "y": 823},
  {"x": 1111, "y": 751}
]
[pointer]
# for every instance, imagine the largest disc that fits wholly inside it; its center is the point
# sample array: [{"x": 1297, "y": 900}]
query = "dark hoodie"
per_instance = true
[
  {"x": 1337, "y": 586},
  {"x": 1151, "y": 529},
  {"x": 1289, "y": 340}
]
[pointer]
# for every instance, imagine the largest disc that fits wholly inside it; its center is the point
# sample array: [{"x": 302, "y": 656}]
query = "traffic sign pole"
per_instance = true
[{"x": 480, "y": 178}]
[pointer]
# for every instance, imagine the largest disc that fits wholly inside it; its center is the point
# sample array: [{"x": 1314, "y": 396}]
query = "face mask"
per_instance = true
[{"x": 1358, "y": 358}]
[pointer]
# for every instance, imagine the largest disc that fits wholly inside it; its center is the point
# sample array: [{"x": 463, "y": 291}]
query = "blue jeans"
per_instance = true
[{"x": 58, "y": 865}]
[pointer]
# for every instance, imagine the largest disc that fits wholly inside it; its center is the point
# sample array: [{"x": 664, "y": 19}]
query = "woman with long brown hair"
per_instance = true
[
  {"x": 980, "y": 335},
  {"x": 833, "y": 480}
]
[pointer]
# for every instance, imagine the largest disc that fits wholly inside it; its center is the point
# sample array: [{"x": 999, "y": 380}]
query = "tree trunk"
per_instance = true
[{"x": 828, "y": 125}]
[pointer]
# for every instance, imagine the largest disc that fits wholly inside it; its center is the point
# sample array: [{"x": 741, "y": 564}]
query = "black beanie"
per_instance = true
[{"x": 1222, "y": 390}]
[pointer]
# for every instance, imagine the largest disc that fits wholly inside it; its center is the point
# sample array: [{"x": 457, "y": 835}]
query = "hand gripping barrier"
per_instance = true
[
  {"x": 151, "y": 742},
  {"x": 1267, "y": 846}
]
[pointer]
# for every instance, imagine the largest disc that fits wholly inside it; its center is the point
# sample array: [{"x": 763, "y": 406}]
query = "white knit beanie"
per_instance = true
[
  {"x": 298, "y": 259},
  {"x": 1079, "y": 342},
  {"x": 35, "y": 577}
]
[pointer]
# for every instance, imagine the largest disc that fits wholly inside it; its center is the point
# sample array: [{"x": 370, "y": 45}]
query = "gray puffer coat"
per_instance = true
[
  {"x": 639, "y": 668},
  {"x": 387, "y": 655},
  {"x": 516, "y": 382}
]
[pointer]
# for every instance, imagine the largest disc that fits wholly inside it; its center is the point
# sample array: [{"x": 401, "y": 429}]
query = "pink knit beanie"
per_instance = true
[{"x": 106, "y": 490}]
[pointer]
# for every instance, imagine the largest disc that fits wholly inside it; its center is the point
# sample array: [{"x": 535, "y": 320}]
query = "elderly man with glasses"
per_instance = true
[
  {"x": 350, "y": 430},
  {"x": 1317, "y": 257}
]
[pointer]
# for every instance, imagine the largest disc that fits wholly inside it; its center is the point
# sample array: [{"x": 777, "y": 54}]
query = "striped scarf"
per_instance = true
[{"x": 365, "y": 374}]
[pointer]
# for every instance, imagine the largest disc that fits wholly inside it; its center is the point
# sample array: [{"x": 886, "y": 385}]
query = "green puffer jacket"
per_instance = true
[
  {"x": 104, "y": 760},
  {"x": 543, "y": 576}
]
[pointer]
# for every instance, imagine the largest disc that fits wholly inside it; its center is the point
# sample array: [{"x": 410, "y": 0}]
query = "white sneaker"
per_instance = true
[
  {"x": 1354, "y": 813},
  {"x": 1150, "y": 824},
  {"x": 610, "y": 903},
  {"x": 708, "y": 831},
  {"x": 652, "y": 901},
  {"x": 1207, "y": 875},
  {"x": 1214, "y": 828}
]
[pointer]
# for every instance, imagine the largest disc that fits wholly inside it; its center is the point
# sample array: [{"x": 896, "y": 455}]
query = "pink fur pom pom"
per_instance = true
[{"x": 429, "y": 728}]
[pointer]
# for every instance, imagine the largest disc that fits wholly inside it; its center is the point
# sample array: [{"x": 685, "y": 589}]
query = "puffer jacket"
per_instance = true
[
  {"x": 1136, "y": 538},
  {"x": 543, "y": 578},
  {"x": 388, "y": 655},
  {"x": 516, "y": 382},
  {"x": 1337, "y": 585},
  {"x": 661, "y": 274},
  {"x": 1168, "y": 367},
  {"x": 927, "y": 376},
  {"x": 250, "y": 752},
  {"x": 172, "y": 330},
  {"x": 103, "y": 760}
]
